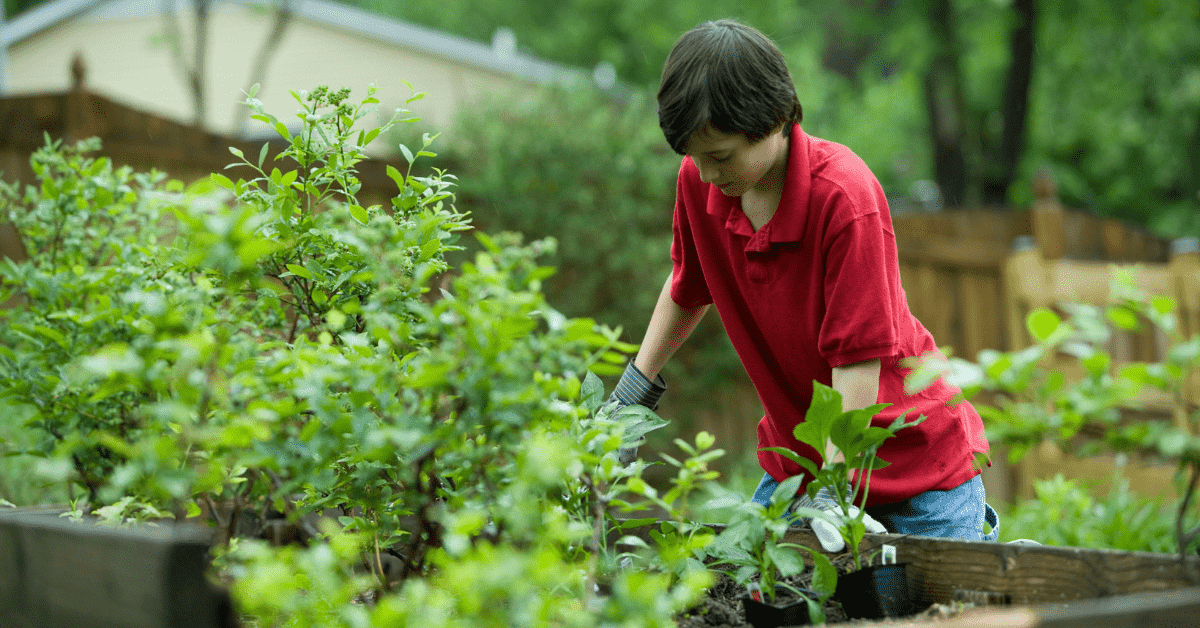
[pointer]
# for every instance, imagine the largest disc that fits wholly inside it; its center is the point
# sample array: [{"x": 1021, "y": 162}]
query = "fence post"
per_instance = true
[
  {"x": 1024, "y": 276},
  {"x": 1185, "y": 274},
  {"x": 1047, "y": 220}
]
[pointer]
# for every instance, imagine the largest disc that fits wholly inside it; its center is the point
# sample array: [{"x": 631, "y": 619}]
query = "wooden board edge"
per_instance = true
[{"x": 1164, "y": 609}]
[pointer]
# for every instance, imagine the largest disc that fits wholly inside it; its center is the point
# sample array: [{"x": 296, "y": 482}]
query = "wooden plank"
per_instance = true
[
  {"x": 1024, "y": 280},
  {"x": 956, "y": 253},
  {"x": 981, "y": 313},
  {"x": 1149, "y": 476},
  {"x": 1118, "y": 242},
  {"x": 1088, "y": 282},
  {"x": 61, "y": 573},
  {"x": 941, "y": 569},
  {"x": 1174, "y": 609}
]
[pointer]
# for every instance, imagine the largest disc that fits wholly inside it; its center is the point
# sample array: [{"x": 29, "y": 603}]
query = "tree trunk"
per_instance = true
[
  {"x": 946, "y": 107},
  {"x": 197, "y": 71},
  {"x": 193, "y": 69},
  {"x": 1015, "y": 105},
  {"x": 258, "y": 71}
]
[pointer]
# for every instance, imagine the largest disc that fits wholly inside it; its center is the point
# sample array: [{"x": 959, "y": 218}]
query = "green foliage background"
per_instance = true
[
  {"x": 1114, "y": 109},
  {"x": 601, "y": 185}
]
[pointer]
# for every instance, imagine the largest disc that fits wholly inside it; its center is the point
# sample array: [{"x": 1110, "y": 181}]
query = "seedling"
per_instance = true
[
  {"x": 853, "y": 435},
  {"x": 754, "y": 543}
]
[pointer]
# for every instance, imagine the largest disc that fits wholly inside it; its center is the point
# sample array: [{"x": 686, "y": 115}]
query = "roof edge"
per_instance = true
[{"x": 334, "y": 14}]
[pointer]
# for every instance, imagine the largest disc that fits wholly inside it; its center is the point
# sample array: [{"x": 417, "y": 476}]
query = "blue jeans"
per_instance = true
[{"x": 958, "y": 513}]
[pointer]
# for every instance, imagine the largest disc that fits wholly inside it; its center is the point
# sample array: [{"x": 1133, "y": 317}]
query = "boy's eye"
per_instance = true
[{"x": 721, "y": 159}]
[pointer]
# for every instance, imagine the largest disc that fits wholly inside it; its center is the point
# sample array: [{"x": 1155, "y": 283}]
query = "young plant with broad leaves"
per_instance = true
[
  {"x": 753, "y": 542},
  {"x": 847, "y": 480}
]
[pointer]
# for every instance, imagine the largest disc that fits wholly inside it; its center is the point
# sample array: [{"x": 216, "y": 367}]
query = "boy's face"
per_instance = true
[{"x": 730, "y": 162}]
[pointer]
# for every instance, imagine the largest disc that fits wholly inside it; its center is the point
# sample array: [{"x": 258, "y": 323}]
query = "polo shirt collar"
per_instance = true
[{"x": 787, "y": 225}]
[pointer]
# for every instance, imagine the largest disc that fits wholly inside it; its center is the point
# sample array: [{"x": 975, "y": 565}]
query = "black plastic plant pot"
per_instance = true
[
  {"x": 764, "y": 615},
  {"x": 875, "y": 592}
]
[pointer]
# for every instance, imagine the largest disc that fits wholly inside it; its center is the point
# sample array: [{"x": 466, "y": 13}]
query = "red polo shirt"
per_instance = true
[{"x": 818, "y": 286}]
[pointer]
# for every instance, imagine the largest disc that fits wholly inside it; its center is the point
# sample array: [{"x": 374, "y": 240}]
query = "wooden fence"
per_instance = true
[
  {"x": 972, "y": 276},
  {"x": 951, "y": 263}
]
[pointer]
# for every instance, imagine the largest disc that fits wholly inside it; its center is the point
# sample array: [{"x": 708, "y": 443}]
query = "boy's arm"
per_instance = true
[
  {"x": 641, "y": 384},
  {"x": 859, "y": 385},
  {"x": 670, "y": 325}
]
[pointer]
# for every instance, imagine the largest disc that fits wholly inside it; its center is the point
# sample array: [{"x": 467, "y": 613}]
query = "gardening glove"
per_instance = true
[
  {"x": 827, "y": 533},
  {"x": 635, "y": 389}
]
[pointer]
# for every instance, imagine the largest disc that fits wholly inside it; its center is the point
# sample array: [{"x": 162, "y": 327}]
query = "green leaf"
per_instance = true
[
  {"x": 299, "y": 271},
  {"x": 592, "y": 392},
  {"x": 824, "y": 577},
  {"x": 310, "y": 429},
  {"x": 787, "y": 489},
  {"x": 786, "y": 560},
  {"x": 52, "y": 334},
  {"x": 359, "y": 214},
  {"x": 1097, "y": 363},
  {"x": 237, "y": 152},
  {"x": 262, "y": 154},
  {"x": 221, "y": 180},
  {"x": 408, "y": 156},
  {"x": 428, "y": 375},
  {"x": 807, "y": 464},
  {"x": 1042, "y": 323},
  {"x": 1163, "y": 305},
  {"x": 1123, "y": 317},
  {"x": 395, "y": 175}
]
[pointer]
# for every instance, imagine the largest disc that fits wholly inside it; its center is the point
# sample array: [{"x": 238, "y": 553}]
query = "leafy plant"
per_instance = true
[
  {"x": 847, "y": 480},
  {"x": 268, "y": 348},
  {"x": 602, "y": 187},
  {"x": 1065, "y": 513},
  {"x": 753, "y": 543},
  {"x": 681, "y": 539},
  {"x": 98, "y": 270},
  {"x": 1034, "y": 402}
]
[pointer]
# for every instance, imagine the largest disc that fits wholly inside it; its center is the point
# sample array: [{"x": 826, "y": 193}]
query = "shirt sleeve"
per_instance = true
[
  {"x": 688, "y": 286},
  {"x": 860, "y": 321}
]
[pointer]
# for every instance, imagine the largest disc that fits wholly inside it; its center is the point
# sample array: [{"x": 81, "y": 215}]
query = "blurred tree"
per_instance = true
[
  {"x": 1116, "y": 109},
  {"x": 1107, "y": 98},
  {"x": 974, "y": 94},
  {"x": 13, "y": 7}
]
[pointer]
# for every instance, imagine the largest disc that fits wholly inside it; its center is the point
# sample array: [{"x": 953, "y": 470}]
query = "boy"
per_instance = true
[{"x": 790, "y": 237}]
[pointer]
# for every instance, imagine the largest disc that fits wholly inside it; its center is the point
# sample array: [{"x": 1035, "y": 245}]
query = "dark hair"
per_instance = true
[{"x": 729, "y": 75}]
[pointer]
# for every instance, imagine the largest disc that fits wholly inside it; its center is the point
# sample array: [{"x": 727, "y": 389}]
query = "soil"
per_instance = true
[{"x": 722, "y": 607}]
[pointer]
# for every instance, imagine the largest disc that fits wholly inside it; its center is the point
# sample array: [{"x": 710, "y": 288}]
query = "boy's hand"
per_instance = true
[
  {"x": 831, "y": 540},
  {"x": 635, "y": 389}
]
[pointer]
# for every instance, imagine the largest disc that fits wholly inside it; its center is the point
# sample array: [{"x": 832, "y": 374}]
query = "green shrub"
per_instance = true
[
  {"x": 1033, "y": 403},
  {"x": 596, "y": 176},
  {"x": 1065, "y": 513},
  {"x": 269, "y": 345}
]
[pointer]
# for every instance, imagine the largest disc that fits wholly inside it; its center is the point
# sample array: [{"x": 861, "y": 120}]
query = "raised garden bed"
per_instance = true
[
  {"x": 998, "y": 584},
  {"x": 61, "y": 573},
  {"x": 57, "y": 573}
]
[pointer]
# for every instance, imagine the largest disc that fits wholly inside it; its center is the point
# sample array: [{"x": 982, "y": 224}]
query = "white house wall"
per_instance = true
[{"x": 127, "y": 62}]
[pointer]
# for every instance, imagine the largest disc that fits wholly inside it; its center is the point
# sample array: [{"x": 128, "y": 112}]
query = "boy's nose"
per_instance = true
[{"x": 707, "y": 175}]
